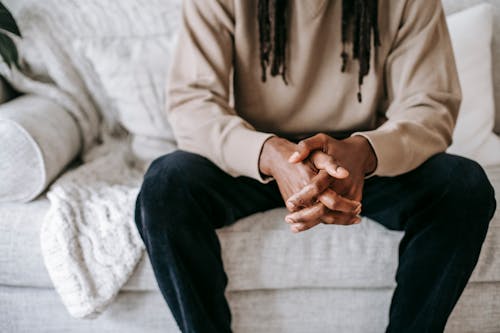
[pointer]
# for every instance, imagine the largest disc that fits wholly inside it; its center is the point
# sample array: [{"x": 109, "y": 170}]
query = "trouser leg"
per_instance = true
[
  {"x": 444, "y": 207},
  {"x": 183, "y": 199}
]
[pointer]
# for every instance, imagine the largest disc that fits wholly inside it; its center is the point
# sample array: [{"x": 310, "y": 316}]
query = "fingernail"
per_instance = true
[
  {"x": 289, "y": 220},
  {"x": 341, "y": 169},
  {"x": 357, "y": 220},
  {"x": 291, "y": 205},
  {"x": 294, "y": 157}
]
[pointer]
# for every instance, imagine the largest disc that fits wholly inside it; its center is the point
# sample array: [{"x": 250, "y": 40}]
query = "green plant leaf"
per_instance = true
[
  {"x": 7, "y": 21},
  {"x": 8, "y": 50}
]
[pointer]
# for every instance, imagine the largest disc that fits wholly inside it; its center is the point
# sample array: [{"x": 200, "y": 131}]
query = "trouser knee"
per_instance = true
[
  {"x": 167, "y": 190},
  {"x": 466, "y": 193}
]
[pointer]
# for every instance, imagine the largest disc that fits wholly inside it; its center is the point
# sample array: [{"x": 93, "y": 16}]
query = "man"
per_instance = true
[{"x": 338, "y": 111}]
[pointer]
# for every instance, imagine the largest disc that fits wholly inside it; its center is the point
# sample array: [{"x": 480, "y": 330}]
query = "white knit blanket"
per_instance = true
[{"x": 89, "y": 240}]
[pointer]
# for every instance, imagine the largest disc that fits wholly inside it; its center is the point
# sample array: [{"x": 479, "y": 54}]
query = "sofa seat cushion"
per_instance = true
[
  {"x": 259, "y": 252},
  {"x": 21, "y": 262}
]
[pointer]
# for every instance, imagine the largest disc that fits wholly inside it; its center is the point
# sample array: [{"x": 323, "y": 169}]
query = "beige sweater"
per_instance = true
[{"x": 410, "y": 102}]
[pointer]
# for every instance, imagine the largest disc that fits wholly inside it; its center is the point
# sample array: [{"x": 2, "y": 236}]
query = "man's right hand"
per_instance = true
[{"x": 292, "y": 178}]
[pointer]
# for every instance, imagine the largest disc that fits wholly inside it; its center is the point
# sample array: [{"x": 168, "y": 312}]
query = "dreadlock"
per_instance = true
[{"x": 359, "y": 22}]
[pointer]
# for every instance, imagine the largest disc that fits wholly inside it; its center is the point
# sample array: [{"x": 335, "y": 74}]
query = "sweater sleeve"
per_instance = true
[
  {"x": 198, "y": 91},
  {"x": 423, "y": 90}
]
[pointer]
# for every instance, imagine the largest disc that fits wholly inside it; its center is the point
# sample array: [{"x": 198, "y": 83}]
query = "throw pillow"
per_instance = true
[
  {"x": 471, "y": 33},
  {"x": 132, "y": 72}
]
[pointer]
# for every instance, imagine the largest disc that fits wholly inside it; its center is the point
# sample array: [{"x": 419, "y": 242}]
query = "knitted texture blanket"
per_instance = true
[{"x": 89, "y": 241}]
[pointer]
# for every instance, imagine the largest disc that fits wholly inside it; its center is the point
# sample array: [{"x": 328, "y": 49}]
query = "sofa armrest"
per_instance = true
[{"x": 38, "y": 139}]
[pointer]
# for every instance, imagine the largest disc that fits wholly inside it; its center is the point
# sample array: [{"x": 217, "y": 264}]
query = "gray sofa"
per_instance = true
[{"x": 330, "y": 279}]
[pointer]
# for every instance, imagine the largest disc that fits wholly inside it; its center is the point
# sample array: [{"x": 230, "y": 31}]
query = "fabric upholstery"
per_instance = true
[
  {"x": 27, "y": 309},
  {"x": 22, "y": 265},
  {"x": 38, "y": 139},
  {"x": 471, "y": 34},
  {"x": 125, "y": 61},
  {"x": 362, "y": 310},
  {"x": 122, "y": 55},
  {"x": 132, "y": 73},
  {"x": 453, "y": 6},
  {"x": 259, "y": 252},
  {"x": 124, "y": 65}
]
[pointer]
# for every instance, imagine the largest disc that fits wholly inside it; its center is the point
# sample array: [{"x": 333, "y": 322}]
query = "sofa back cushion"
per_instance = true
[
  {"x": 471, "y": 33},
  {"x": 128, "y": 47},
  {"x": 122, "y": 50},
  {"x": 453, "y": 6}
]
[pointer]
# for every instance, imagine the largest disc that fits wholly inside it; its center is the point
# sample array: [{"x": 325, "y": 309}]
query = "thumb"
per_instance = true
[
  {"x": 326, "y": 162},
  {"x": 305, "y": 147}
]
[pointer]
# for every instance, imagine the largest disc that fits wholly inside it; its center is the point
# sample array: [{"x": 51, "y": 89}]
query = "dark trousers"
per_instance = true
[{"x": 444, "y": 207}]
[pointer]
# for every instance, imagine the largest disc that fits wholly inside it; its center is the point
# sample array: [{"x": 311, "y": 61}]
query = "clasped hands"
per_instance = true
[{"x": 320, "y": 179}]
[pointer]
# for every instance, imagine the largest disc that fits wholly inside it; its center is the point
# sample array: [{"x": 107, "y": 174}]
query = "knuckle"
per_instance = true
[
  {"x": 304, "y": 144},
  {"x": 333, "y": 203},
  {"x": 300, "y": 218},
  {"x": 316, "y": 155},
  {"x": 297, "y": 201},
  {"x": 329, "y": 203},
  {"x": 315, "y": 187},
  {"x": 291, "y": 206},
  {"x": 301, "y": 202}
]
